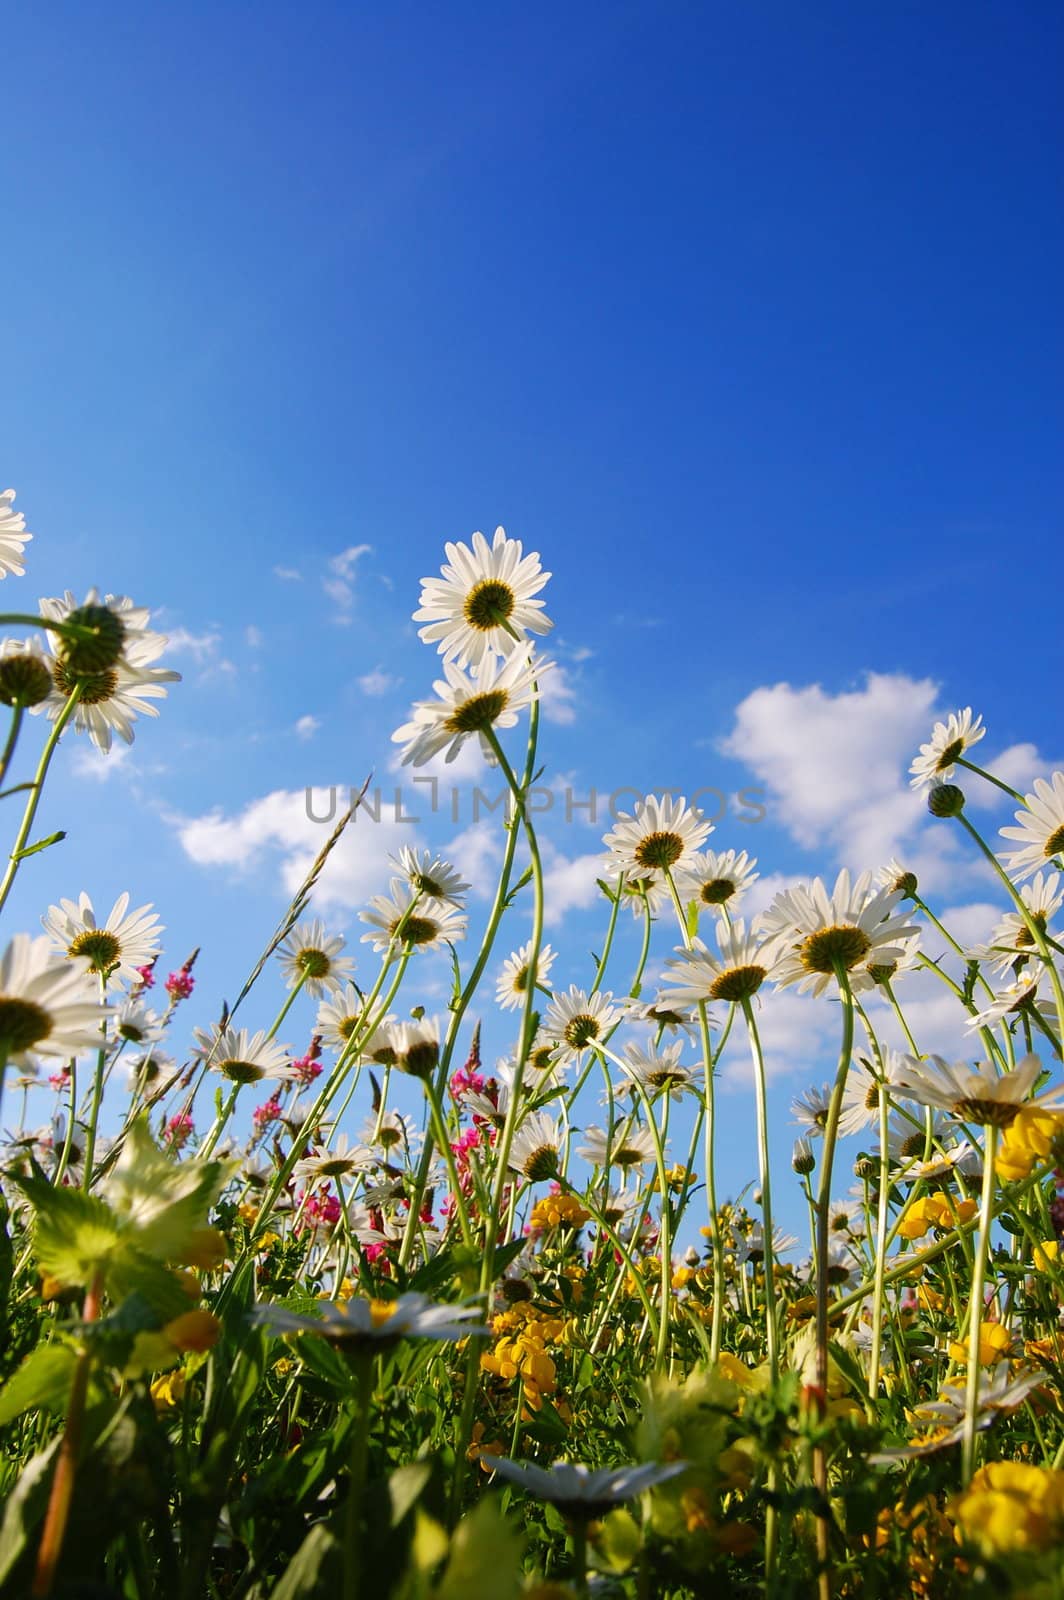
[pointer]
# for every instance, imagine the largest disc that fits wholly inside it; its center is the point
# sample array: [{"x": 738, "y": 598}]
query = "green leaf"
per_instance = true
[
  {"x": 23, "y": 1511},
  {"x": 43, "y": 1379},
  {"x": 485, "y": 1558},
  {"x": 42, "y": 844},
  {"x": 162, "y": 1202},
  {"x": 313, "y": 1570},
  {"x": 75, "y": 1233},
  {"x": 405, "y": 1487},
  {"x": 692, "y": 919}
]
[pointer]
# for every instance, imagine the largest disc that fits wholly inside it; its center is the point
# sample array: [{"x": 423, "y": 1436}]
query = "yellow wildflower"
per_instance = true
[{"x": 1010, "y": 1507}]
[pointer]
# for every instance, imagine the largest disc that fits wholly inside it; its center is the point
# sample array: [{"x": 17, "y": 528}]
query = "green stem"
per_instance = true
[
  {"x": 761, "y": 1094},
  {"x": 34, "y": 798},
  {"x": 971, "y": 1392},
  {"x": 17, "y": 714},
  {"x": 352, "y": 1579}
]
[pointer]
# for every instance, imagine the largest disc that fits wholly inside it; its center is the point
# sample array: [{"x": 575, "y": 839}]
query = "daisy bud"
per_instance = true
[
  {"x": 24, "y": 679},
  {"x": 865, "y": 1167},
  {"x": 87, "y": 657},
  {"x": 802, "y": 1158},
  {"x": 945, "y": 800}
]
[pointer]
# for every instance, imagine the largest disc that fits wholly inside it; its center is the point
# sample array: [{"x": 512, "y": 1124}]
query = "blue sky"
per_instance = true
[{"x": 747, "y": 319}]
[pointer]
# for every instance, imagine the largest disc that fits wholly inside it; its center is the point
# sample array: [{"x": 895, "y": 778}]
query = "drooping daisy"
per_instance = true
[
  {"x": 660, "y": 1071},
  {"x": 575, "y": 1020},
  {"x": 47, "y": 1005},
  {"x": 887, "y": 966},
  {"x": 536, "y": 1147},
  {"x": 417, "y": 1046},
  {"x": 579, "y": 1491},
  {"x": 1012, "y": 941},
  {"x": 339, "y": 1016},
  {"x": 241, "y": 1056},
  {"x": 429, "y": 874},
  {"x": 818, "y": 932},
  {"x": 123, "y": 685},
  {"x": 630, "y": 1147},
  {"x": 661, "y": 835},
  {"x": 13, "y": 536},
  {"x": 971, "y": 1093},
  {"x": 895, "y": 876},
  {"x": 380, "y": 1047},
  {"x": 512, "y": 987},
  {"x": 949, "y": 740},
  {"x": 717, "y": 878},
  {"x": 376, "y": 1324},
  {"x": 810, "y": 1109},
  {"x": 735, "y": 974},
  {"x": 411, "y": 920},
  {"x": 483, "y": 604},
  {"x": 1041, "y": 828},
  {"x": 25, "y": 676},
  {"x": 470, "y": 703},
  {"x": 643, "y": 892},
  {"x": 312, "y": 957},
  {"x": 860, "y": 1097},
  {"x": 113, "y": 950}
]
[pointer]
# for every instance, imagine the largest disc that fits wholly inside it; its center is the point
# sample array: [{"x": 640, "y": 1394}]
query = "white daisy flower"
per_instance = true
[
  {"x": 810, "y": 1110},
  {"x": 860, "y": 1097},
  {"x": 312, "y": 957},
  {"x": 735, "y": 974},
  {"x": 13, "y": 536},
  {"x": 900, "y": 879},
  {"x": 136, "y": 1024},
  {"x": 579, "y": 1491},
  {"x": 242, "y": 1056},
  {"x": 390, "y": 1132},
  {"x": 660, "y": 1071},
  {"x": 949, "y": 741},
  {"x": 483, "y": 604},
  {"x": 1017, "y": 999},
  {"x": 380, "y": 1047},
  {"x": 817, "y": 931},
  {"x": 665, "y": 1015},
  {"x": 630, "y": 1147},
  {"x": 536, "y": 1147},
  {"x": 663, "y": 834},
  {"x": 113, "y": 950},
  {"x": 971, "y": 1093},
  {"x": 147, "y": 1071},
  {"x": 887, "y": 966},
  {"x": 427, "y": 926},
  {"x": 429, "y": 874},
  {"x": 643, "y": 892},
  {"x": 576, "y": 1020},
  {"x": 376, "y": 1324},
  {"x": 468, "y": 703},
  {"x": 1011, "y": 942},
  {"x": 1041, "y": 828},
  {"x": 47, "y": 1006},
  {"x": 512, "y": 986},
  {"x": 121, "y": 689},
  {"x": 716, "y": 878},
  {"x": 339, "y": 1160},
  {"x": 494, "y": 1110},
  {"x": 339, "y": 1016}
]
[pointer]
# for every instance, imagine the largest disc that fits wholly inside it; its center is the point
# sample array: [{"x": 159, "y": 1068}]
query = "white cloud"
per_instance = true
[
  {"x": 377, "y": 682},
  {"x": 253, "y": 636},
  {"x": 87, "y": 762},
  {"x": 798, "y": 1038},
  {"x": 277, "y": 829},
  {"x": 204, "y": 650},
  {"x": 558, "y": 696},
  {"x": 477, "y": 852},
  {"x": 569, "y": 882},
  {"x": 835, "y": 765},
  {"x": 307, "y": 727},
  {"x": 339, "y": 582},
  {"x": 288, "y": 574}
]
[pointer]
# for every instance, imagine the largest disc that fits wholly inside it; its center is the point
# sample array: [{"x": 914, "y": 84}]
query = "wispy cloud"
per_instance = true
[
  {"x": 307, "y": 727},
  {"x": 377, "y": 682},
  {"x": 339, "y": 581},
  {"x": 288, "y": 574},
  {"x": 205, "y": 650}
]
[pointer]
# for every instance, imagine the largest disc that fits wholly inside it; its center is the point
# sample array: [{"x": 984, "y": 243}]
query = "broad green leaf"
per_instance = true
[
  {"x": 159, "y": 1201},
  {"x": 75, "y": 1233},
  {"x": 485, "y": 1558},
  {"x": 43, "y": 1379},
  {"x": 313, "y": 1570},
  {"x": 405, "y": 1487}
]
